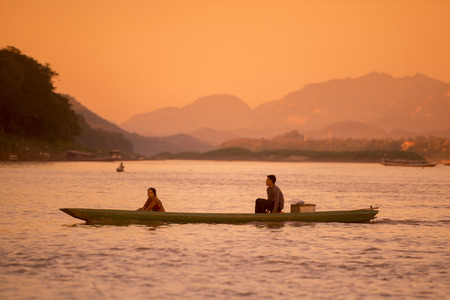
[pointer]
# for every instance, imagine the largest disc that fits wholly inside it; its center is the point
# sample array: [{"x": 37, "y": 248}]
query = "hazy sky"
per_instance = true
[{"x": 121, "y": 58}]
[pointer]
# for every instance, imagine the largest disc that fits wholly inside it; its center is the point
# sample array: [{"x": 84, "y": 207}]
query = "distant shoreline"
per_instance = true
[
  {"x": 34, "y": 150},
  {"x": 280, "y": 155}
]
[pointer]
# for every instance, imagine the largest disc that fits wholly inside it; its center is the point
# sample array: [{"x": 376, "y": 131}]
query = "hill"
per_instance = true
[
  {"x": 213, "y": 137},
  {"x": 218, "y": 112},
  {"x": 29, "y": 107},
  {"x": 142, "y": 145},
  {"x": 414, "y": 104},
  {"x": 348, "y": 129}
]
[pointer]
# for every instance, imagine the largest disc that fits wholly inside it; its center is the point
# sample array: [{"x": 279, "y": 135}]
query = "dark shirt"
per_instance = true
[{"x": 274, "y": 194}]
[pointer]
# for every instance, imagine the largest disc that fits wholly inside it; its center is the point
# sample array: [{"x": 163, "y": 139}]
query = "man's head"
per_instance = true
[{"x": 272, "y": 179}]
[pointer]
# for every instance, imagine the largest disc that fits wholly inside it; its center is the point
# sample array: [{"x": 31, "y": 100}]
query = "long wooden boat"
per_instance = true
[
  {"x": 113, "y": 216},
  {"x": 407, "y": 163}
]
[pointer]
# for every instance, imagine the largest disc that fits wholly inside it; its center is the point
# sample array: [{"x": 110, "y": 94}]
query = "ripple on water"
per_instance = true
[{"x": 402, "y": 255}]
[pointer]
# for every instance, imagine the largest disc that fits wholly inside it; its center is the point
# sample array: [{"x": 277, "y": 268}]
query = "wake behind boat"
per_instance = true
[{"x": 114, "y": 216}]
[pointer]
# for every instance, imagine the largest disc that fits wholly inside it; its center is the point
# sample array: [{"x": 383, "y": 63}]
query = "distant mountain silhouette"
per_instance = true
[
  {"x": 413, "y": 104},
  {"x": 142, "y": 145},
  {"x": 218, "y": 112},
  {"x": 212, "y": 136},
  {"x": 347, "y": 129},
  {"x": 441, "y": 133},
  {"x": 91, "y": 118}
]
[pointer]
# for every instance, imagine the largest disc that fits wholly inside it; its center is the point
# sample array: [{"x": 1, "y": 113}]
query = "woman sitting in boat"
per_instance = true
[{"x": 152, "y": 203}]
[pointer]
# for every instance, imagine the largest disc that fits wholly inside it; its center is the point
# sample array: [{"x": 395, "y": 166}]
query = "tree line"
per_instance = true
[
  {"x": 29, "y": 106},
  {"x": 35, "y": 119},
  {"x": 436, "y": 148}
]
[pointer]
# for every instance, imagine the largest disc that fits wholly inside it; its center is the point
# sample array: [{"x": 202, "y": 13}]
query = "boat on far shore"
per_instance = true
[{"x": 407, "y": 163}]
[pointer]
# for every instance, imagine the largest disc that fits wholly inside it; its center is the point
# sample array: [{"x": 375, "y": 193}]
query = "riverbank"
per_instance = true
[
  {"x": 36, "y": 150},
  {"x": 240, "y": 154},
  {"x": 18, "y": 148},
  {"x": 28, "y": 149}
]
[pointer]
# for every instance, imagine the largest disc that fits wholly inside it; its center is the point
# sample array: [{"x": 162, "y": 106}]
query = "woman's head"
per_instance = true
[{"x": 151, "y": 191}]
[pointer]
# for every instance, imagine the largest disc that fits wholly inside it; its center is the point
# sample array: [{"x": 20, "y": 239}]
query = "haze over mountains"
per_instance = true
[
  {"x": 141, "y": 145},
  {"x": 373, "y": 106}
]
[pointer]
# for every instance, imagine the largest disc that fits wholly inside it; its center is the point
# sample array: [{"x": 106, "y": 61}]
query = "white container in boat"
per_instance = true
[{"x": 303, "y": 208}]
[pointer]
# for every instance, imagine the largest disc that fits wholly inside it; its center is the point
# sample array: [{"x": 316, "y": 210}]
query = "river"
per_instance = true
[{"x": 46, "y": 254}]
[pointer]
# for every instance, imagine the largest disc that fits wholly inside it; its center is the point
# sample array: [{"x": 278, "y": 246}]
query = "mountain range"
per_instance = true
[
  {"x": 373, "y": 106},
  {"x": 142, "y": 145}
]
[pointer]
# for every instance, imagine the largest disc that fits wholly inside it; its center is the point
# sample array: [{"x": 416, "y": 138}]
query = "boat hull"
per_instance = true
[
  {"x": 407, "y": 163},
  {"x": 112, "y": 216}
]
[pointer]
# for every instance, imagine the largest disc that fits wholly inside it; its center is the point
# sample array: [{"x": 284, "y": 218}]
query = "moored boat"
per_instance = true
[
  {"x": 407, "y": 163},
  {"x": 114, "y": 216}
]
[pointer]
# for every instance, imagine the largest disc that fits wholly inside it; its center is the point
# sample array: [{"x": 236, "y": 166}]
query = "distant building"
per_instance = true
[{"x": 407, "y": 144}]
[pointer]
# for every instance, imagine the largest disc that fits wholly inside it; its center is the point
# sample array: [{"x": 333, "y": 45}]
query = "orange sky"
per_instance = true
[{"x": 121, "y": 58}]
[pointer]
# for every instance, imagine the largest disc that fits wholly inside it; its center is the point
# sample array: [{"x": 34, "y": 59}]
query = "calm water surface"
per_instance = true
[{"x": 46, "y": 254}]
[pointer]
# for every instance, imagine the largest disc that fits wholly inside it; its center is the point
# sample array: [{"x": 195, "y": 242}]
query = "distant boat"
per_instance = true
[
  {"x": 407, "y": 163},
  {"x": 446, "y": 162},
  {"x": 13, "y": 157},
  {"x": 120, "y": 168}
]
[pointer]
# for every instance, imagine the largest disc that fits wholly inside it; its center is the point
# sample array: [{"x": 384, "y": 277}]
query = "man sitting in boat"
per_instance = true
[
  {"x": 275, "y": 200},
  {"x": 120, "y": 168},
  {"x": 152, "y": 203}
]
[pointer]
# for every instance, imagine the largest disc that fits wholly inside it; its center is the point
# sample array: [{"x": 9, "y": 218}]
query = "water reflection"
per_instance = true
[{"x": 44, "y": 252}]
